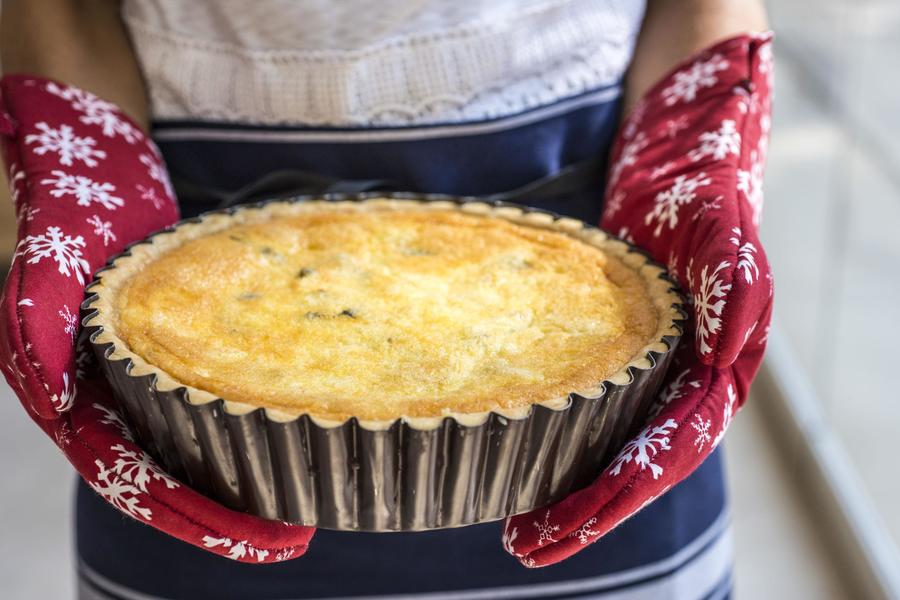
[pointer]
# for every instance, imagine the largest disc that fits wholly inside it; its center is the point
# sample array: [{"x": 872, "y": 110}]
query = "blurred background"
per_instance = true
[{"x": 813, "y": 459}]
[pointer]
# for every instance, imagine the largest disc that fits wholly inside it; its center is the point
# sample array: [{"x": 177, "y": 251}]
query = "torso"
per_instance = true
[{"x": 439, "y": 96}]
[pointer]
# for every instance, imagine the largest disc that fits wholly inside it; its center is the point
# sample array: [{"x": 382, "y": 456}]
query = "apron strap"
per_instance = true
[
  {"x": 574, "y": 178},
  {"x": 284, "y": 183}
]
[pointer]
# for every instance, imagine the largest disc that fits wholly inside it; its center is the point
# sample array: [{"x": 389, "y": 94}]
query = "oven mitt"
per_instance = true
[
  {"x": 86, "y": 182},
  {"x": 685, "y": 185}
]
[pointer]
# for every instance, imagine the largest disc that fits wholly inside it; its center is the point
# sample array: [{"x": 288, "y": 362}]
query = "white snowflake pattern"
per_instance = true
[
  {"x": 120, "y": 493},
  {"x": 718, "y": 144},
  {"x": 64, "y": 434},
  {"x": 64, "y": 249},
  {"x": 701, "y": 426},
  {"x": 66, "y": 397},
  {"x": 102, "y": 229},
  {"x": 85, "y": 190},
  {"x": 236, "y": 550},
  {"x": 545, "y": 530},
  {"x": 26, "y": 302},
  {"x": 614, "y": 204},
  {"x": 585, "y": 533},
  {"x": 748, "y": 101},
  {"x": 26, "y": 213},
  {"x": 149, "y": 193},
  {"x": 112, "y": 417},
  {"x": 625, "y": 234},
  {"x": 706, "y": 206},
  {"x": 675, "y": 126},
  {"x": 673, "y": 391},
  {"x": 672, "y": 265},
  {"x": 13, "y": 367},
  {"x": 97, "y": 112},
  {"x": 701, "y": 74},
  {"x": 750, "y": 182},
  {"x": 15, "y": 176},
  {"x": 750, "y": 331},
  {"x": 662, "y": 170},
  {"x": 644, "y": 448},
  {"x": 709, "y": 301},
  {"x": 628, "y": 157},
  {"x": 284, "y": 554},
  {"x": 64, "y": 142},
  {"x": 765, "y": 124},
  {"x": 766, "y": 62},
  {"x": 727, "y": 414},
  {"x": 508, "y": 538},
  {"x": 746, "y": 256},
  {"x": 157, "y": 172},
  {"x": 136, "y": 467},
  {"x": 70, "y": 320},
  {"x": 668, "y": 202}
]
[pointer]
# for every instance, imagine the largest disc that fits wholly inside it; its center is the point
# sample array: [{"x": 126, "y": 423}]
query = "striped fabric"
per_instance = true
[{"x": 701, "y": 569}]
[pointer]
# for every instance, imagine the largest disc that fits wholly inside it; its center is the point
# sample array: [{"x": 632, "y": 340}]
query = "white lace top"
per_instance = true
[{"x": 351, "y": 63}]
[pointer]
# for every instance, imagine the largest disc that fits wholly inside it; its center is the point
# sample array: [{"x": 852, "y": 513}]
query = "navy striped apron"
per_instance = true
[{"x": 678, "y": 547}]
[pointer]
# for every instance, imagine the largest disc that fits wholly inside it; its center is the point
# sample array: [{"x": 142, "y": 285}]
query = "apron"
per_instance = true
[{"x": 678, "y": 547}]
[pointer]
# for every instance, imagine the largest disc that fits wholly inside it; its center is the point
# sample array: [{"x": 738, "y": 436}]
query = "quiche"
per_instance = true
[
  {"x": 378, "y": 311},
  {"x": 383, "y": 364}
]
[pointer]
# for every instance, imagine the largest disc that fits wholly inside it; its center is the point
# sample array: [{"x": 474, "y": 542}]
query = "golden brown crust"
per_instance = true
[{"x": 381, "y": 314}]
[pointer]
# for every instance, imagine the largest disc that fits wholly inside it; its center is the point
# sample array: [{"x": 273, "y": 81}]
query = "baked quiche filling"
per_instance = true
[{"x": 381, "y": 314}]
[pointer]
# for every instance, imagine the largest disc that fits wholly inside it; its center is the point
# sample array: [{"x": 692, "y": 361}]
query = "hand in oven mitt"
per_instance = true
[
  {"x": 86, "y": 182},
  {"x": 685, "y": 185}
]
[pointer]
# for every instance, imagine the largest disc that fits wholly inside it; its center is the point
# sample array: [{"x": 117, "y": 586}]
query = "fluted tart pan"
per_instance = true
[{"x": 401, "y": 475}]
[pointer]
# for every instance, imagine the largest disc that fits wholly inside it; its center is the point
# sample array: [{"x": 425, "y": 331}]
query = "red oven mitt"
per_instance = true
[
  {"x": 87, "y": 182},
  {"x": 686, "y": 185}
]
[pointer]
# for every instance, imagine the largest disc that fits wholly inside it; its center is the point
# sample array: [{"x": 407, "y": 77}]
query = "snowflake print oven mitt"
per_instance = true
[
  {"x": 86, "y": 182},
  {"x": 685, "y": 185}
]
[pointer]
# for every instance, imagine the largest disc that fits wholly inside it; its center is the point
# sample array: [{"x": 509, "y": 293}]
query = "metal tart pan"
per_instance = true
[{"x": 404, "y": 475}]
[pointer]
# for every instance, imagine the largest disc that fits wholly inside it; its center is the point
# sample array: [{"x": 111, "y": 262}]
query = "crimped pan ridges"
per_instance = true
[{"x": 408, "y": 474}]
